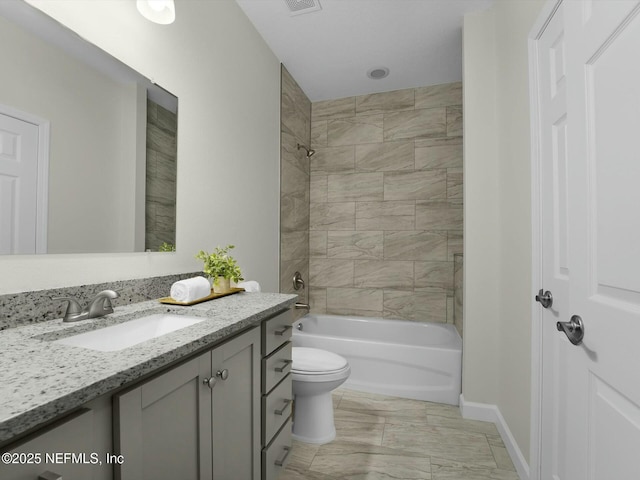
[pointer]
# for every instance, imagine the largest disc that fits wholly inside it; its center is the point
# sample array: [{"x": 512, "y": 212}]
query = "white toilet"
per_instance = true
[{"x": 315, "y": 374}]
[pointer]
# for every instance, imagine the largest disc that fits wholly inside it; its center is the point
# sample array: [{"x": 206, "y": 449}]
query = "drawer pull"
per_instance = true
[
  {"x": 283, "y": 367},
  {"x": 284, "y": 407},
  {"x": 54, "y": 476},
  {"x": 280, "y": 461},
  {"x": 283, "y": 330}
]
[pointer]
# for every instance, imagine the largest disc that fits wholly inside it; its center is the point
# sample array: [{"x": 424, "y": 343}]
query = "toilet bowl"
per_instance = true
[{"x": 315, "y": 374}]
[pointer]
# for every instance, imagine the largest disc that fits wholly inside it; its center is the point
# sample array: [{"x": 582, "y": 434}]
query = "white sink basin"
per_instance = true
[{"x": 128, "y": 334}]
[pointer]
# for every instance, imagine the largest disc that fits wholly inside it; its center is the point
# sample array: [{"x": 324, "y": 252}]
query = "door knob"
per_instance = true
[
  {"x": 545, "y": 299},
  {"x": 223, "y": 374},
  {"x": 573, "y": 329},
  {"x": 209, "y": 382}
]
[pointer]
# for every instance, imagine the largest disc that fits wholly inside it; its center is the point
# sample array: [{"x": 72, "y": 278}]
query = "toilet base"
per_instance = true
[{"x": 313, "y": 419}]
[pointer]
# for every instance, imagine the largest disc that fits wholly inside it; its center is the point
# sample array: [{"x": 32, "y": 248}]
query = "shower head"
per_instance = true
[{"x": 310, "y": 152}]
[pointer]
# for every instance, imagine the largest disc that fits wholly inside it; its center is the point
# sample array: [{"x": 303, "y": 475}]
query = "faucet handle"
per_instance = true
[{"x": 73, "y": 307}]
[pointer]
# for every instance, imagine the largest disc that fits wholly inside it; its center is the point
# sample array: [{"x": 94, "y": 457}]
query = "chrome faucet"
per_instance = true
[
  {"x": 302, "y": 306},
  {"x": 99, "y": 306}
]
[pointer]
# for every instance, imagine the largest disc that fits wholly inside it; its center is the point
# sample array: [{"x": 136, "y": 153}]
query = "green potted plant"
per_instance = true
[{"x": 221, "y": 267}]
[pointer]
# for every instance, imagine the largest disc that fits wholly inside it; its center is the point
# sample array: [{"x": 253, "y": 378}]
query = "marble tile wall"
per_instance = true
[
  {"x": 38, "y": 306},
  {"x": 295, "y": 118},
  {"x": 385, "y": 218},
  {"x": 160, "y": 206}
]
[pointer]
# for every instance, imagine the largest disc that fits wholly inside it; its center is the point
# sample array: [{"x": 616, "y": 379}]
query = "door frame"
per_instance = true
[
  {"x": 547, "y": 12},
  {"x": 42, "y": 188}
]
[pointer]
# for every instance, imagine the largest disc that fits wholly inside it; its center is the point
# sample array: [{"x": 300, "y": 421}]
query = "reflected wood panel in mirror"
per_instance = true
[{"x": 87, "y": 145}]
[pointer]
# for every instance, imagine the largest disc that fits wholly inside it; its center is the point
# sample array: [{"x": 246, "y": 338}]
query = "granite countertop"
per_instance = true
[{"x": 41, "y": 380}]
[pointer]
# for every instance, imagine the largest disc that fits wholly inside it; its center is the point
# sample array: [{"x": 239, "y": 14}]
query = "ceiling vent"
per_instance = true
[{"x": 298, "y": 7}]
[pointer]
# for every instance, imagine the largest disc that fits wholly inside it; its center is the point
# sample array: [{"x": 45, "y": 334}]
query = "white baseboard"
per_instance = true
[{"x": 491, "y": 413}]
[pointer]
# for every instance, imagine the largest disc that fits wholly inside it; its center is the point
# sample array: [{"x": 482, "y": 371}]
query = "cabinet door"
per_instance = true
[
  {"x": 48, "y": 450},
  {"x": 163, "y": 426},
  {"x": 236, "y": 408}
]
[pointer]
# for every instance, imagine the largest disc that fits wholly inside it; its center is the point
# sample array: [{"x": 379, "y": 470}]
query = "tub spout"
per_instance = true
[{"x": 303, "y": 305}]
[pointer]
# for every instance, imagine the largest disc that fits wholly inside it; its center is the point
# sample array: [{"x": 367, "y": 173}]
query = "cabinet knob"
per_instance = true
[
  {"x": 223, "y": 374},
  {"x": 209, "y": 382},
  {"x": 49, "y": 476}
]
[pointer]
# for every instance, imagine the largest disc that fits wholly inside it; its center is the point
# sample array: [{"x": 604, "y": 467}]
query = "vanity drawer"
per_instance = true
[
  {"x": 275, "y": 367},
  {"x": 276, "y": 331},
  {"x": 276, "y": 456},
  {"x": 276, "y": 409}
]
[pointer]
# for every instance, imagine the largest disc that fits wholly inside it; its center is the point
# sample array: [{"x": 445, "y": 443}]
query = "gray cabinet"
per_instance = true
[
  {"x": 74, "y": 447},
  {"x": 277, "y": 395},
  {"x": 199, "y": 420}
]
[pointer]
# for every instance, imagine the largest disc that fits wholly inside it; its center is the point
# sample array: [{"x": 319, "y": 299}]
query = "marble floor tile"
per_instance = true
[
  {"x": 349, "y": 431},
  {"x": 463, "y": 424},
  {"x": 448, "y": 443},
  {"x": 442, "y": 469},
  {"x": 372, "y": 467},
  {"x": 382, "y": 438}
]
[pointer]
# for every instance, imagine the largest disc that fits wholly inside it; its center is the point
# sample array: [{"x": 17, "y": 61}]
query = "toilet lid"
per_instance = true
[{"x": 314, "y": 360}]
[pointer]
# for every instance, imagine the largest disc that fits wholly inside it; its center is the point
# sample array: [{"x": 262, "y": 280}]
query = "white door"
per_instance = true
[
  {"x": 18, "y": 185},
  {"x": 590, "y": 425}
]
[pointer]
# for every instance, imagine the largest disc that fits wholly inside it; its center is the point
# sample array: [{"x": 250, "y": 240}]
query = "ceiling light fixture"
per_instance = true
[
  {"x": 378, "y": 73},
  {"x": 157, "y": 11}
]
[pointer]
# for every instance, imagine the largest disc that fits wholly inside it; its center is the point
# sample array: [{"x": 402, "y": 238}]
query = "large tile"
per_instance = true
[
  {"x": 358, "y": 466},
  {"x": 396, "y": 100},
  {"x": 502, "y": 458},
  {"x": 463, "y": 424},
  {"x": 289, "y": 150},
  {"x": 454, "y": 121},
  {"x": 458, "y": 293},
  {"x": 294, "y": 211},
  {"x": 418, "y": 185},
  {"x": 383, "y": 274},
  {"x": 350, "y": 299},
  {"x": 446, "y": 443},
  {"x": 385, "y": 157},
  {"x": 368, "y": 433},
  {"x": 317, "y": 299},
  {"x": 444, "y": 469},
  {"x": 332, "y": 216},
  {"x": 439, "y": 215},
  {"x": 443, "y": 155},
  {"x": 341, "y": 415},
  {"x": 362, "y": 187},
  {"x": 401, "y": 409},
  {"x": 355, "y": 130},
  {"x": 454, "y": 183},
  {"x": 333, "y": 160},
  {"x": 318, "y": 243},
  {"x": 287, "y": 269},
  {"x": 425, "y": 123},
  {"x": 354, "y": 312},
  {"x": 418, "y": 306},
  {"x": 439, "y": 95},
  {"x": 303, "y": 453},
  {"x": 355, "y": 245},
  {"x": 332, "y": 109},
  {"x": 318, "y": 188},
  {"x": 298, "y": 471},
  {"x": 385, "y": 215},
  {"x": 455, "y": 245},
  {"x": 434, "y": 274},
  {"x": 318, "y": 133},
  {"x": 295, "y": 107},
  {"x": 415, "y": 245},
  {"x": 294, "y": 245},
  {"x": 330, "y": 273}
]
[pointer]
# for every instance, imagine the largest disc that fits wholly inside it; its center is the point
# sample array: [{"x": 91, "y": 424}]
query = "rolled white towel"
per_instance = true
[
  {"x": 190, "y": 289},
  {"x": 250, "y": 286}
]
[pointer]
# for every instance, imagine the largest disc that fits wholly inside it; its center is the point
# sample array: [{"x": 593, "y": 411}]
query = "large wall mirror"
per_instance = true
[{"x": 87, "y": 145}]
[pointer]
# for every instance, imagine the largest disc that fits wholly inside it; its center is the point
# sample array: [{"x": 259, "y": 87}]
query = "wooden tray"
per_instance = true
[{"x": 213, "y": 296}]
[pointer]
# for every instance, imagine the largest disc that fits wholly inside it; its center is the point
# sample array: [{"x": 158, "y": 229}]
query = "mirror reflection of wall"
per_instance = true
[{"x": 78, "y": 182}]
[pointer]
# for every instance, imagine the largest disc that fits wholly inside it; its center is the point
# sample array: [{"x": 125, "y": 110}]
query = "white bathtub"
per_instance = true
[{"x": 391, "y": 357}]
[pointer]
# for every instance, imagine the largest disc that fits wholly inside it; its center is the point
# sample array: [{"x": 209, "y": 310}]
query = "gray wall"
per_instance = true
[
  {"x": 295, "y": 123},
  {"x": 386, "y": 203}
]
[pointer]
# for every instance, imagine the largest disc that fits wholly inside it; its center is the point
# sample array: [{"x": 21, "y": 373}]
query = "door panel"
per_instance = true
[
  {"x": 18, "y": 185},
  {"x": 590, "y": 425}
]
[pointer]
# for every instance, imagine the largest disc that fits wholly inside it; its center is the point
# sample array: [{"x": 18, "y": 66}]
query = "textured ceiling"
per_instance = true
[{"x": 329, "y": 51}]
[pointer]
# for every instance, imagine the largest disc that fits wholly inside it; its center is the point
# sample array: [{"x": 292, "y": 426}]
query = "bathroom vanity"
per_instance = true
[{"x": 209, "y": 401}]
